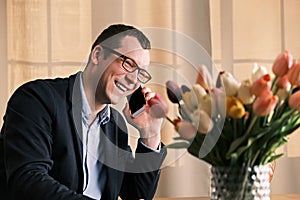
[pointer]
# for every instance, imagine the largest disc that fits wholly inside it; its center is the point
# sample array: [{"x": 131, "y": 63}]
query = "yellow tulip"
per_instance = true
[
  {"x": 234, "y": 107},
  {"x": 190, "y": 100}
]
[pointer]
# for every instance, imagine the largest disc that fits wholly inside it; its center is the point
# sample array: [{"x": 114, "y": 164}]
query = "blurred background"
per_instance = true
[{"x": 52, "y": 38}]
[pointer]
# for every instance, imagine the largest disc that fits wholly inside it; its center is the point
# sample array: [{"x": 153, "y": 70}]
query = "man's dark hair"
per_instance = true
[{"x": 112, "y": 36}]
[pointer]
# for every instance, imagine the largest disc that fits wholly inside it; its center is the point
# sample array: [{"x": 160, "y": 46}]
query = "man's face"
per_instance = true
[{"x": 115, "y": 82}]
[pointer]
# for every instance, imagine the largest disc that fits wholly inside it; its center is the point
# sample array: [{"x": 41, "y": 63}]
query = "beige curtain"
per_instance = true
[
  {"x": 50, "y": 38},
  {"x": 46, "y": 38}
]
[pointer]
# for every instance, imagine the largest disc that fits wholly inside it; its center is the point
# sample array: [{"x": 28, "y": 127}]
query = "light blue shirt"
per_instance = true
[{"x": 94, "y": 175}]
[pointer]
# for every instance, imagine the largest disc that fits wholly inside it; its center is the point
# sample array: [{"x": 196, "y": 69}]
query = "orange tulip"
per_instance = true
[
  {"x": 264, "y": 105},
  {"x": 261, "y": 86},
  {"x": 294, "y": 100},
  {"x": 282, "y": 63},
  {"x": 294, "y": 74}
]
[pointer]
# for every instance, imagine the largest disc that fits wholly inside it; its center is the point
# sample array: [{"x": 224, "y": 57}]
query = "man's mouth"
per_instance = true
[{"x": 122, "y": 87}]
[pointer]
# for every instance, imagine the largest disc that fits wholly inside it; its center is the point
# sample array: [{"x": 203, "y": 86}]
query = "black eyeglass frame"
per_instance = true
[{"x": 136, "y": 67}]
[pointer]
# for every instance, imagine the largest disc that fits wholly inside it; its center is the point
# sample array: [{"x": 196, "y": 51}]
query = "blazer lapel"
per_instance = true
[{"x": 75, "y": 106}]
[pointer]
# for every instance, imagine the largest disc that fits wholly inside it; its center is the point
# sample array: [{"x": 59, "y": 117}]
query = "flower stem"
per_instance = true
[{"x": 171, "y": 121}]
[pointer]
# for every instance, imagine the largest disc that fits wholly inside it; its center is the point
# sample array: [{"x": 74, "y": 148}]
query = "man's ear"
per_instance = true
[{"x": 95, "y": 54}]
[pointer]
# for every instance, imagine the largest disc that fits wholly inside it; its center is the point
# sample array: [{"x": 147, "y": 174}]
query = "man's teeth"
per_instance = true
[{"x": 121, "y": 87}]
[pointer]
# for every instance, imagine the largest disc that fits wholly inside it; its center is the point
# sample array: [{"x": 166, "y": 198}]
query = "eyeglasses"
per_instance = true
[{"x": 130, "y": 66}]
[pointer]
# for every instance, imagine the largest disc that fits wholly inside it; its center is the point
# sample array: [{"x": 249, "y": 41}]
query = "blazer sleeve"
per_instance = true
[
  {"x": 141, "y": 179},
  {"x": 28, "y": 145}
]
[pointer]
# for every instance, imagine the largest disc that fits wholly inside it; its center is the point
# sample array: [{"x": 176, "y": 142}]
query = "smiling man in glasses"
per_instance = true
[{"x": 62, "y": 140}]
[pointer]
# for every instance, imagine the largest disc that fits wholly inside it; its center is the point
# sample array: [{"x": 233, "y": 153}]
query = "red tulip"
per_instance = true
[
  {"x": 294, "y": 74},
  {"x": 282, "y": 63},
  {"x": 261, "y": 86},
  {"x": 294, "y": 100},
  {"x": 264, "y": 105},
  {"x": 158, "y": 108}
]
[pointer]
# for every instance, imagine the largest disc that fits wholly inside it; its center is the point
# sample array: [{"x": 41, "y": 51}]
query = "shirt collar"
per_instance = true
[{"x": 102, "y": 117}]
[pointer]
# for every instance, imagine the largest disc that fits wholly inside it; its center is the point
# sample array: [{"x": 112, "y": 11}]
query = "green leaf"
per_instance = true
[{"x": 178, "y": 145}]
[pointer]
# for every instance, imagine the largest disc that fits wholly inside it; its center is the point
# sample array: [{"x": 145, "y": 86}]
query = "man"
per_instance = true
[{"x": 62, "y": 140}]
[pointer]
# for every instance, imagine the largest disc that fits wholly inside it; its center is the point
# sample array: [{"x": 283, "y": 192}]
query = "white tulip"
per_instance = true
[
  {"x": 203, "y": 121},
  {"x": 244, "y": 93},
  {"x": 230, "y": 84},
  {"x": 258, "y": 71}
]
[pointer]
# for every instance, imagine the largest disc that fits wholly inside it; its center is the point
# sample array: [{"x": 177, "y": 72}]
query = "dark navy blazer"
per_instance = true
[{"x": 41, "y": 148}]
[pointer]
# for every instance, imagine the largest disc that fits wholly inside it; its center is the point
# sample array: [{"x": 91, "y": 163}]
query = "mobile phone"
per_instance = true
[{"x": 136, "y": 102}]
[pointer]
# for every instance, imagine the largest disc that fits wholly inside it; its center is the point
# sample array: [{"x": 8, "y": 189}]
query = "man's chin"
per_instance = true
[{"x": 116, "y": 99}]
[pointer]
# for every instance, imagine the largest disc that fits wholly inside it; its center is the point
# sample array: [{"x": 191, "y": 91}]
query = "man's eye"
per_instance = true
[{"x": 129, "y": 64}]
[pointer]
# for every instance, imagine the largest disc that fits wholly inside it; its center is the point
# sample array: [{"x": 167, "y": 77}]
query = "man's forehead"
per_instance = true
[{"x": 130, "y": 43}]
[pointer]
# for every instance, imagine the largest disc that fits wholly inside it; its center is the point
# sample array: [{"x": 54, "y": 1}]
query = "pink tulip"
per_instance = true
[
  {"x": 185, "y": 129},
  {"x": 283, "y": 83},
  {"x": 204, "y": 78},
  {"x": 218, "y": 102},
  {"x": 261, "y": 86},
  {"x": 282, "y": 63},
  {"x": 294, "y": 74},
  {"x": 294, "y": 100},
  {"x": 158, "y": 108},
  {"x": 264, "y": 105}
]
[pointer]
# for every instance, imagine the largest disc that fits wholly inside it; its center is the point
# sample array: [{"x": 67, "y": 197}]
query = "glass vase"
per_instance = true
[{"x": 238, "y": 183}]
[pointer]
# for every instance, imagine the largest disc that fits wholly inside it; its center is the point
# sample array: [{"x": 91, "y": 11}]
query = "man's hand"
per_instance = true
[{"x": 148, "y": 123}]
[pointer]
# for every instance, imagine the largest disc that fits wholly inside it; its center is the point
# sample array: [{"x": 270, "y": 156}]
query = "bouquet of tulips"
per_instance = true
[{"x": 238, "y": 123}]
